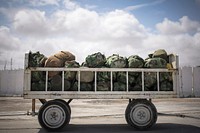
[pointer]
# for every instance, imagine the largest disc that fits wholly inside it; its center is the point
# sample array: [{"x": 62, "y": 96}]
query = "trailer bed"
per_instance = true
[{"x": 99, "y": 94}]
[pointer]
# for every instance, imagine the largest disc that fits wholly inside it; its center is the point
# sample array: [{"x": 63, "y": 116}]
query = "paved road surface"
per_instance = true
[{"x": 102, "y": 116}]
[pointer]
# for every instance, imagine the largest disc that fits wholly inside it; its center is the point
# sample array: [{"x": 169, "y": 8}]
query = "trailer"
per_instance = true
[{"x": 140, "y": 113}]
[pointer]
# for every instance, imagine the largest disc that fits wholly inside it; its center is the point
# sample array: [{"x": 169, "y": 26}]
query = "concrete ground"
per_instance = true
[{"x": 102, "y": 116}]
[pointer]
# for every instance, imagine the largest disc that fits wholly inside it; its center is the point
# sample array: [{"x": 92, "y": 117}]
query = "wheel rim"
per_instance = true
[
  {"x": 141, "y": 115},
  {"x": 54, "y": 116}
]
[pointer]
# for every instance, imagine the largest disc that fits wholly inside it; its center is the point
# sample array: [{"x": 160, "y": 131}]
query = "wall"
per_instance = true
[
  {"x": 189, "y": 81},
  {"x": 11, "y": 82}
]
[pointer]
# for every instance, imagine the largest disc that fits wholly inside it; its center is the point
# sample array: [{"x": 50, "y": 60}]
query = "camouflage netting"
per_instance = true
[
  {"x": 103, "y": 86},
  {"x": 37, "y": 77},
  {"x": 95, "y": 60},
  {"x": 36, "y": 59},
  {"x": 71, "y": 75},
  {"x": 135, "y": 61},
  {"x": 38, "y": 86},
  {"x": 116, "y": 61},
  {"x": 155, "y": 63},
  {"x": 83, "y": 86},
  {"x": 158, "y": 59},
  {"x": 105, "y": 76}
]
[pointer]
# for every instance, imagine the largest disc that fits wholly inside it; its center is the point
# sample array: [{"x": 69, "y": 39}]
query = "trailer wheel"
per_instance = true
[
  {"x": 64, "y": 102},
  {"x": 53, "y": 115},
  {"x": 141, "y": 114}
]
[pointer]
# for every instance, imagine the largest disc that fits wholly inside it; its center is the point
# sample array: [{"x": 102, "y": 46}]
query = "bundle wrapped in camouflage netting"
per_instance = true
[
  {"x": 119, "y": 78},
  {"x": 37, "y": 77},
  {"x": 95, "y": 60},
  {"x": 71, "y": 75},
  {"x": 158, "y": 59},
  {"x": 83, "y": 86},
  {"x": 155, "y": 63},
  {"x": 104, "y": 79},
  {"x": 135, "y": 61},
  {"x": 116, "y": 61},
  {"x": 36, "y": 59}
]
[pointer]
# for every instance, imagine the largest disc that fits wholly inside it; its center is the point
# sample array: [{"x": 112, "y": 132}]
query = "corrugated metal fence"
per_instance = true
[{"x": 11, "y": 82}]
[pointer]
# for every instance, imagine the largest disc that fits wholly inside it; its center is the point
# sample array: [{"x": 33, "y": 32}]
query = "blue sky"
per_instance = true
[
  {"x": 148, "y": 12},
  {"x": 125, "y": 26}
]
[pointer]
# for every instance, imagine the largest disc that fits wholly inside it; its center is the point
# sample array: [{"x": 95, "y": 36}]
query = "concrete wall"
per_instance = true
[{"x": 11, "y": 82}]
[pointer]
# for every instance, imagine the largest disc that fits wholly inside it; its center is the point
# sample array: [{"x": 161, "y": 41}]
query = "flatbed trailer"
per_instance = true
[{"x": 140, "y": 112}]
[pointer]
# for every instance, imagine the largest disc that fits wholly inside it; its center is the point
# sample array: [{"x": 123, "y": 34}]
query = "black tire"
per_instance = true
[
  {"x": 141, "y": 114},
  {"x": 53, "y": 115},
  {"x": 64, "y": 102}
]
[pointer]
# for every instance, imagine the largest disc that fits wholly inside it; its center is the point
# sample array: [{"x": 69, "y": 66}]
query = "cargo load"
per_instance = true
[{"x": 158, "y": 59}]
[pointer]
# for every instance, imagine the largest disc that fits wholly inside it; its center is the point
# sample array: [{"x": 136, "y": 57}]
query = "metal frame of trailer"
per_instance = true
[{"x": 140, "y": 112}]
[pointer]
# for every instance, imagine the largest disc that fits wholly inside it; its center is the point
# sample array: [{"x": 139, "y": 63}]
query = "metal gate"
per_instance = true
[{"x": 189, "y": 81}]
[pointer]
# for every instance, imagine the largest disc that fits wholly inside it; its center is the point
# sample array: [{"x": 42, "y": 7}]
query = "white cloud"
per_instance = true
[
  {"x": 31, "y": 22},
  {"x": 77, "y": 22},
  {"x": 8, "y": 41},
  {"x": 185, "y": 25},
  {"x": 80, "y": 24},
  {"x": 10, "y": 48}
]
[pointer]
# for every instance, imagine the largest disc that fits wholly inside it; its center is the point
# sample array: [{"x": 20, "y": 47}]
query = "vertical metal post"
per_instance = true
[
  {"x": 79, "y": 80},
  {"x": 95, "y": 81},
  {"x": 46, "y": 81},
  {"x": 63, "y": 80},
  {"x": 142, "y": 80},
  {"x": 111, "y": 81},
  {"x": 33, "y": 107},
  {"x": 158, "y": 81},
  {"x": 127, "y": 81}
]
